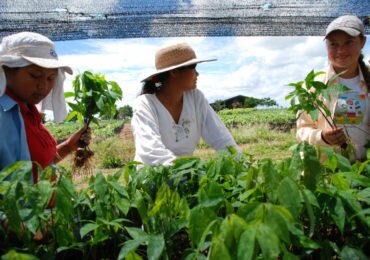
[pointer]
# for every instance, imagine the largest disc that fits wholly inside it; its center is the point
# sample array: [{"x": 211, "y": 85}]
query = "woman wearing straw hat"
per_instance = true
[
  {"x": 345, "y": 38},
  {"x": 30, "y": 74},
  {"x": 171, "y": 114}
]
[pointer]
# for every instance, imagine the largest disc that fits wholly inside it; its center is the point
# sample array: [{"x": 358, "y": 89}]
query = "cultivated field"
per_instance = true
[
  {"x": 260, "y": 133},
  {"x": 279, "y": 200}
]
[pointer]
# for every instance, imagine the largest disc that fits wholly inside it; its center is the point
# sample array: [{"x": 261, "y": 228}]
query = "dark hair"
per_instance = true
[
  {"x": 149, "y": 86},
  {"x": 365, "y": 71}
]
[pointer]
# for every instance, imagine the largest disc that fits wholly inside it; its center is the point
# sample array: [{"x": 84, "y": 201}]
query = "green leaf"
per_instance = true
[
  {"x": 136, "y": 233},
  {"x": 20, "y": 170},
  {"x": 211, "y": 195},
  {"x": 289, "y": 197},
  {"x": 14, "y": 255},
  {"x": 156, "y": 245},
  {"x": 219, "y": 250},
  {"x": 68, "y": 94},
  {"x": 71, "y": 115},
  {"x": 309, "y": 200},
  {"x": 88, "y": 228},
  {"x": 268, "y": 242},
  {"x": 338, "y": 213},
  {"x": 271, "y": 178},
  {"x": 314, "y": 114},
  {"x": 130, "y": 246},
  {"x": 340, "y": 182},
  {"x": 230, "y": 230},
  {"x": 63, "y": 202},
  {"x": 199, "y": 219},
  {"x": 303, "y": 240},
  {"x": 350, "y": 253},
  {"x": 133, "y": 256},
  {"x": 278, "y": 218},
  {"x": 355, "y": 178},
  {"x": 246, "y": 244}
]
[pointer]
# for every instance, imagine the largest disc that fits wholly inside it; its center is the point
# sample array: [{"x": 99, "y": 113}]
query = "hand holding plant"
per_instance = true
[
  {"x": 95, "y": 98},
  {"x": 308, "y": 97}
]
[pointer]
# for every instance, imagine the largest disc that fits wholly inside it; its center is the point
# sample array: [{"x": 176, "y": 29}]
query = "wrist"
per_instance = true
[{"x": 323, "y": 138}]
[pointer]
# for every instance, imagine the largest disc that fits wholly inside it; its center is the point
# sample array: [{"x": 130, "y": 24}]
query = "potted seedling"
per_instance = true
[
  {"x": 307, "y": 97},
  {"x": 94, "y": 98}
]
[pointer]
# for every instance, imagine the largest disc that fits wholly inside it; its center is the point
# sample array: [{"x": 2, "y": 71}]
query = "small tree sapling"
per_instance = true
[{"x": 94, "y": 97}]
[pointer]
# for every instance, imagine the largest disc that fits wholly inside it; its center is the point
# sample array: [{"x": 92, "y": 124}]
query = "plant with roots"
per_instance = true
[
  {"x": 94, "y": 97},
  {"x": 308, "y": 97}
]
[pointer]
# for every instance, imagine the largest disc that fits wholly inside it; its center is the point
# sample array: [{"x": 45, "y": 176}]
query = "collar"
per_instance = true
[
  {"x": 331, "y": 73},
  {"x": 9, "y": 100},
  {"x": 7, "y": 103}
]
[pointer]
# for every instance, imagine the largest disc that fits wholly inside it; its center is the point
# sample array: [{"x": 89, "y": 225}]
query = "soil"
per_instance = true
[{"x": 126, "y": 132}]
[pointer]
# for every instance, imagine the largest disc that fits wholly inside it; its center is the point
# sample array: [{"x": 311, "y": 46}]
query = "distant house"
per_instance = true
[
  {"x": 233, "y": 102},
  {"x": 243, "y": 102}
]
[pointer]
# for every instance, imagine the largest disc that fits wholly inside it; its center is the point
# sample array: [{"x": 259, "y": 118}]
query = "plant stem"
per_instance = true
[{"x": 332, "y": 124}]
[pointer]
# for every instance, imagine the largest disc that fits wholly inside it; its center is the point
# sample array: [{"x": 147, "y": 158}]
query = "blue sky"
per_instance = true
[{"x": 252, "y": 66}]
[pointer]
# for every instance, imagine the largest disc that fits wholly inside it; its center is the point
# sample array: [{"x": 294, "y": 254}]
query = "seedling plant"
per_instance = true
[{"x": 94, "y": 98}]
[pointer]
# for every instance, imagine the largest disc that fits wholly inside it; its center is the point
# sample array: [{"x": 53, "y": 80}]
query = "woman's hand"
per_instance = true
[
  {"x": 82, "y": 135},
  {"x": 71, "y": 144},
  {"x": 334, "y": 136}
]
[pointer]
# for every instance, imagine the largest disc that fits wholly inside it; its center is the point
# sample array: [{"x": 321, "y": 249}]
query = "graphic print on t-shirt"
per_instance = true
[{"x": 350, "y": 108}]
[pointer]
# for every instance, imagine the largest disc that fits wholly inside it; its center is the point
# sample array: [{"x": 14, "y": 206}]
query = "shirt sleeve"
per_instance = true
[
  {"x": 148, "y": 142},
  {"x": 213, "y": 130},
  {"x": 307, "y": 130}
]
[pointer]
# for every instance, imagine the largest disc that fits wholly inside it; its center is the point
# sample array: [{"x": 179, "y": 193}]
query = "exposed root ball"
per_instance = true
[{"x": 82, "y": 165}]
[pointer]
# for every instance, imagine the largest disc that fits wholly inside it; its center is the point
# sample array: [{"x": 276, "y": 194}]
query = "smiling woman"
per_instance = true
[{"x": 350, "y": 124}]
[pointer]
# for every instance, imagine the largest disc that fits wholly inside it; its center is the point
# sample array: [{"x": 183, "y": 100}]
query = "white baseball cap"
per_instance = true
[{"x": 349, "y": 24}]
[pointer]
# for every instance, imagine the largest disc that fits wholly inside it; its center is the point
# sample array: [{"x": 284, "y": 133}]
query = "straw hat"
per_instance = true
[
  {"x": 349, "y": 24},
  {"x": 174, "y": 56}
]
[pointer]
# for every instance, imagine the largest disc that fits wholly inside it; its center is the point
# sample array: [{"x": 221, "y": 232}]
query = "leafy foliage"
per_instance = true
[
  {"x": 246, "y": 116},
  {"x": 299, "y": 207},
  {"x": 95, "y": 97},
  {"x": 105, "y": 129},
  {"x": 307, "y": 96},
  {"x": 124, "y": 112}
]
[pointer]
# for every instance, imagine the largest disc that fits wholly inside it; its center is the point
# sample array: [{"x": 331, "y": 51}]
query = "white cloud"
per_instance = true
[{"x": 251, "y": 66}]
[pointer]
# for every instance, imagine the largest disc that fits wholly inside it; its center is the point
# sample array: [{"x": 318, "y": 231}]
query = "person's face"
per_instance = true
[
  {"x": 32, "y": 83},
  {"x": 188, "y": 77},
  {"x": 344, "y": 50}
]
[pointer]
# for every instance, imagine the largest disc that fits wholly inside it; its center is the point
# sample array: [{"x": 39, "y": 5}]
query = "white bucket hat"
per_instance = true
[
  {"x": 350, "y": 24},
  {"x": 27, "y": 48},
  {"x": 173, "y": 57}
]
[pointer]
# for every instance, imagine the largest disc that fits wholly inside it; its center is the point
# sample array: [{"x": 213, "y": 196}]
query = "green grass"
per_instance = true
[
  {"x": 258, "y": 141},
  {"x": 254, "y": 136},
  {"x": 105, "y": 129}
]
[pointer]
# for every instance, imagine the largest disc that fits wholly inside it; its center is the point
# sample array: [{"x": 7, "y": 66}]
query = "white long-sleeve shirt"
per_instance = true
[
  {"x": 159, "y": 140},
  {"x": 310, "y": 131}
]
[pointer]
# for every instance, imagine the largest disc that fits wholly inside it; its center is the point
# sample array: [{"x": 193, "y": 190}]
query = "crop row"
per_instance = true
[
  {"x": 224, "y": 208},
  {"x": 105, "y": 129}
]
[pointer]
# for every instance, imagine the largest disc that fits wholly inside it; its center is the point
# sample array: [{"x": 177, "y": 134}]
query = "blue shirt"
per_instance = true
[{"x": 13, "y": 140}]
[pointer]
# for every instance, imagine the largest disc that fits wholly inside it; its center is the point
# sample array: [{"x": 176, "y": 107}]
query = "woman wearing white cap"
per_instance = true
[
  {"x": 171, "y": 115},
  {"x": 30, "y": 74},
  {"x": 345, "y": 38}
]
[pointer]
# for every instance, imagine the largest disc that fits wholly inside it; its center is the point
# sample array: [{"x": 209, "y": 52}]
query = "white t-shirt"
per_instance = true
[
  {"x": 159, "y": 140},
  {"x": 351, "y": 112}
]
